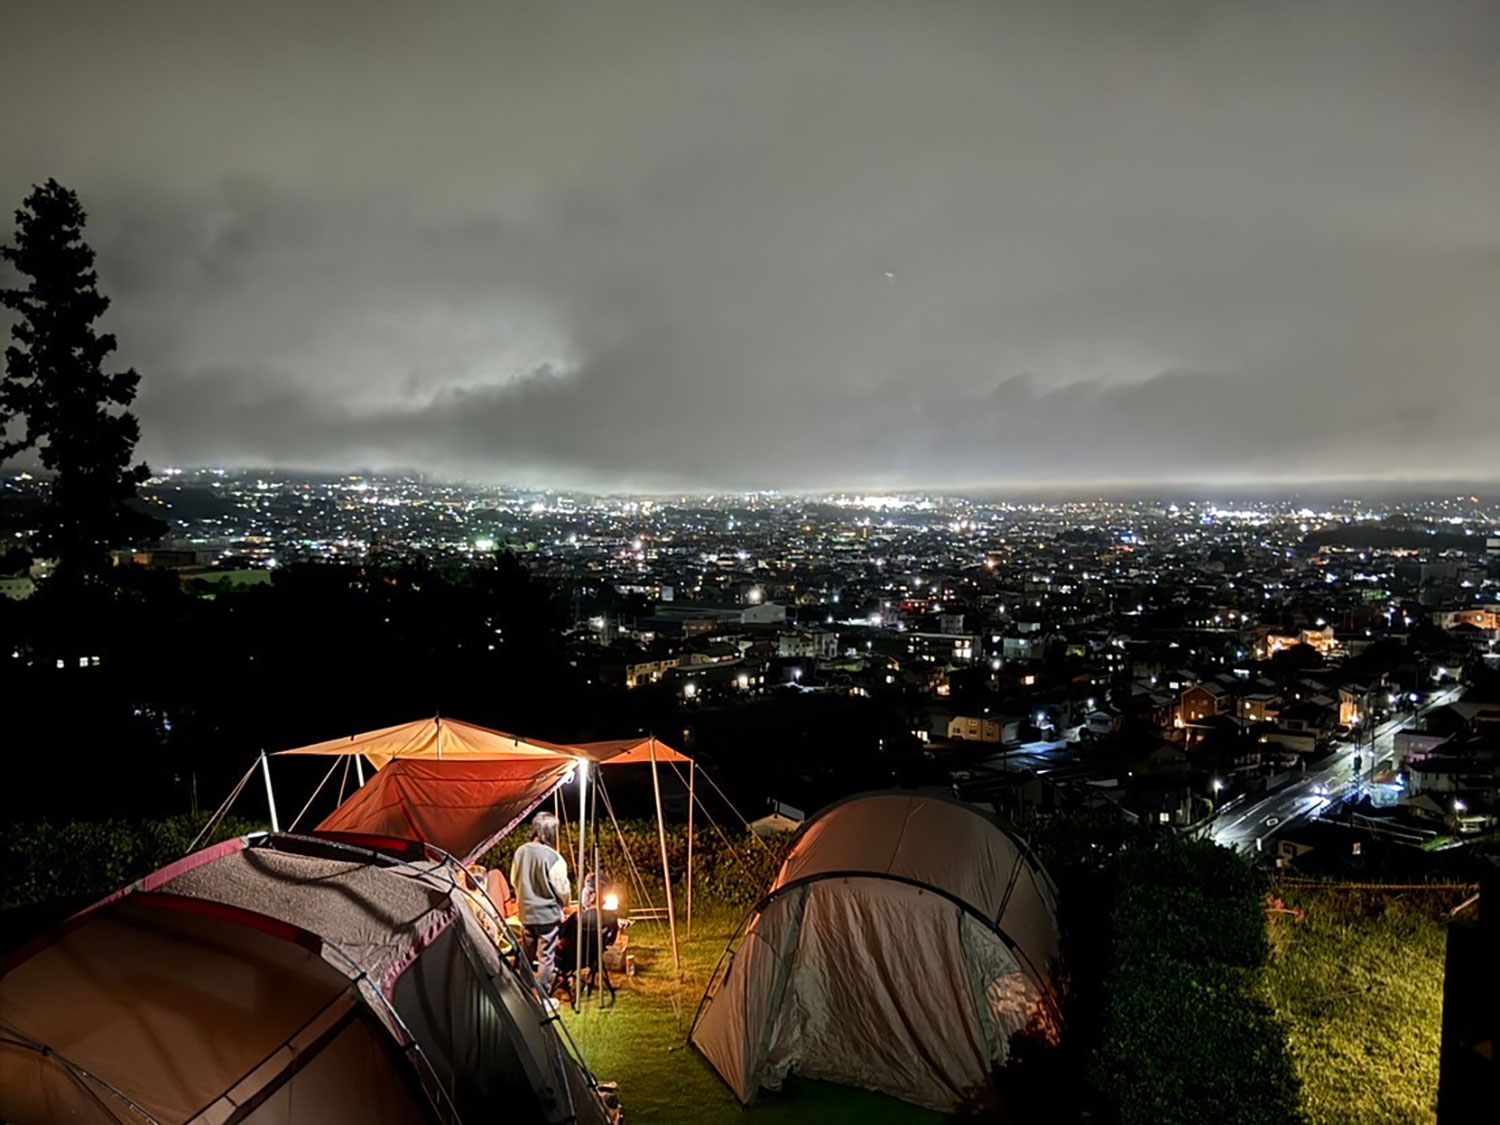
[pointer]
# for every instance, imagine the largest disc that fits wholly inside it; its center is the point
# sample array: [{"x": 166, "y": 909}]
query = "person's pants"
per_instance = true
[{"x": 540, "y": 944}]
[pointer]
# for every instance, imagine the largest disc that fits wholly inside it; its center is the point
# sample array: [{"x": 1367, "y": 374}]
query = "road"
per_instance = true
[{"x": 1247, "y": 826}]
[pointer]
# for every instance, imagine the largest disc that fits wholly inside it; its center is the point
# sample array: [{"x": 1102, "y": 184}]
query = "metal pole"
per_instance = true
[
  {"x": 359, "y": 769},
  {"x": 666, "y": 872},
  {"x": 692, "y": 777},
  {"x": 265, "y": 769},
  {"x": 598, "y": 908},
  {"x": 583, "y": 788}
]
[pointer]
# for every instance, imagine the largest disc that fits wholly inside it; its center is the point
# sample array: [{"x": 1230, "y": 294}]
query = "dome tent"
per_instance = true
[
  {"x": 905, "y": 940},
  {"x": 283, "y": 979}
]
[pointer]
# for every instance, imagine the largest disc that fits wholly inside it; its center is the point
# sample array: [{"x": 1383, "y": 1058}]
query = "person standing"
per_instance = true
[{"x": 539, "y": 880}]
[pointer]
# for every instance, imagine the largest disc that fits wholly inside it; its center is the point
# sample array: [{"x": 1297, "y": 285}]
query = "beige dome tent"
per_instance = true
[
  {"x": 284, "y": 979},
  {"x": 906, "y": 939}
]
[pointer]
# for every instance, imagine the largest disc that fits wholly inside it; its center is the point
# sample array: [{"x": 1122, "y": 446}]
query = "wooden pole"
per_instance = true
[
  {"x": 692, "y": 777},
  {"x": 666, "y": 872},
  {"x": 265, "y": 768}
]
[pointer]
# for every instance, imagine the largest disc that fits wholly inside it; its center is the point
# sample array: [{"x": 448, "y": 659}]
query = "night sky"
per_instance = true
[{"x": 805, "y": 244}]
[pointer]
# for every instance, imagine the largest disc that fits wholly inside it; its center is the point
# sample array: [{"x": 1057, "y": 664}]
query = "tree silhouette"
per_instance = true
[{"x": 54, "y": 378}]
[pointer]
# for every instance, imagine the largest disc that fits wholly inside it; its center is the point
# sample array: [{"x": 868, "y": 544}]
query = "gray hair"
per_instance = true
[{"x": 544, "y": 828}]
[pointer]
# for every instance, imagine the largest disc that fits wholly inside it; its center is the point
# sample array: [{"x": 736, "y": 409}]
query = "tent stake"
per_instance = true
[
  {"x": 666, "y": 872},
  {"x": 265, "y": 768}
]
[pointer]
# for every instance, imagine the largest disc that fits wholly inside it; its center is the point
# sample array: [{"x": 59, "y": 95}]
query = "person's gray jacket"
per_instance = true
[{"x": 539, "y": 880}]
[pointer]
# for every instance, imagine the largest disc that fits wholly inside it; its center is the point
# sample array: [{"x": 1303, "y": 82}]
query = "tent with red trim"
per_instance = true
[{"x": 284, "y": 980}]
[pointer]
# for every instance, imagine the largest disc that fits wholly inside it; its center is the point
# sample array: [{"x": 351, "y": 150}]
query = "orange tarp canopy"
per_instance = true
[
  {"x": 629, "y": 752},
  {"x": 461, "y": 786},
  {"x": 460, "y": 806},
  {"x": 440, "y": 739},
  {"x": 451, "y": 740}
]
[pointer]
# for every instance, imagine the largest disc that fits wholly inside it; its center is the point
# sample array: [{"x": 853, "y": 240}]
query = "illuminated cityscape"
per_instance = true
[{"x": 1174, "y": 657}]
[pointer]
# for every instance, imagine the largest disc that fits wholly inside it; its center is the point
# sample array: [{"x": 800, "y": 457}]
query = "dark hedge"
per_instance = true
[{"x": 1186, "y": 1036}]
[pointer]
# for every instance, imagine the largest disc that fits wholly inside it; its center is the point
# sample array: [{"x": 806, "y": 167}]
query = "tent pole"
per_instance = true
[
  {"x": 359, "y": 769},
  {"x": 265, "y": 769},
  {"x": 666, "y": 872},
  {"x": 692, "y": 777},
  {"x": 583, "y": 789},
  {"x": 598, "y": 906},
  {"x": 560, "y": 810}
]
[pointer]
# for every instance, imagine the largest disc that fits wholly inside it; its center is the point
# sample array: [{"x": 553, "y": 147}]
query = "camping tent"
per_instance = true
[
  {"x": 283, "y": 979},
  {"x": 906, "y": 939}
]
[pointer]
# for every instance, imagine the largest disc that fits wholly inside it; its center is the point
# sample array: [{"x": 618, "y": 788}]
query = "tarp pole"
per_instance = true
[
  {"x": 692, "y": 777},
  {"x": 265, "y": 769},
  {"x": 583, "y": 789},
  {"x": 222, "y": 809},
  {"x": 666, "y": 872},
  {"x": 598, "y": 909},
  {"x": 359, "y": 769}
]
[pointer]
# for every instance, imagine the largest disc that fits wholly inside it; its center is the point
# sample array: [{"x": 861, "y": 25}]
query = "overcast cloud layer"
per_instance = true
[{"x": 798, "y": 244}]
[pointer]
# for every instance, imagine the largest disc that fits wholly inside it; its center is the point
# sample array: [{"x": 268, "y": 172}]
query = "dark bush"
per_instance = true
[
  {"x": 1188, "y": 924},
  {"x": 733, "y": 869},
  {"x": 42, "y": 861},
  {"x": 1185, "y": 1037}
]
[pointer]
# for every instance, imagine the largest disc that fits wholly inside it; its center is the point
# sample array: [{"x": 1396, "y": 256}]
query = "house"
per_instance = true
[
  {"x": 984, "y": 728},
  {"x": 1321, "y": 639},
  {"x": 817, "y": 644},
  {"x": 1259, "y": 707},
  {"x": 1202, "y": 701},
  {"x": 948, "y": 648},
  {"x": 1307, "y": 717},
  {"x": 1101, "y": 722}
]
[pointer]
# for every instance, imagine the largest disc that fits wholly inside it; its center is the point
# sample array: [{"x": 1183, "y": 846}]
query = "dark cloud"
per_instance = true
[{"x": 796, "y": 245}]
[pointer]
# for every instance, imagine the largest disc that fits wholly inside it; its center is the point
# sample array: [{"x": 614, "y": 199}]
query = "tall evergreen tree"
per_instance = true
[{"x": 55, "y": 380}]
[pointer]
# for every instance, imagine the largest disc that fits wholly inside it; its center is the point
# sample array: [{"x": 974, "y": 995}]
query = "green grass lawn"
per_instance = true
[
  {"x": 1360, "y": 984},
  {"x": 641, "y": 1043}
]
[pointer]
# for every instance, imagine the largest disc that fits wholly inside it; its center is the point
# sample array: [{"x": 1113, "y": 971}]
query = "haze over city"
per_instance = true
[{"x": 694, "y": 245}]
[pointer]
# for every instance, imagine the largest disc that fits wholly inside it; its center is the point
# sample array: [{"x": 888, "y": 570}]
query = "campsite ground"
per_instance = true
[
  {"x": 1359, "y": 982},
  {"x": 641, "y": 1043}
]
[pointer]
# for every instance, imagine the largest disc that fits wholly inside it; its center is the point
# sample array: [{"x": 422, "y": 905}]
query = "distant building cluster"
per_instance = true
[{"x": 1151, "y": 657}]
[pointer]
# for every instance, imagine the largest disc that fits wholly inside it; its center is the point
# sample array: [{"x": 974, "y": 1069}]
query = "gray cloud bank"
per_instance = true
[{"x": 789, "y": 244}]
